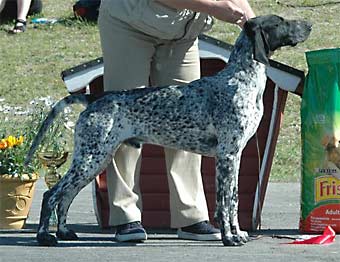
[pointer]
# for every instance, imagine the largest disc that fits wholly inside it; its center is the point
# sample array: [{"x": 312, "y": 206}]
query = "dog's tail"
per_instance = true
[{"x": 59, "y": 107}]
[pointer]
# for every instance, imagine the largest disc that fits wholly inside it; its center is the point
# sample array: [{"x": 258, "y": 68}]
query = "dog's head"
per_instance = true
[{"x": 270, "y": 32}]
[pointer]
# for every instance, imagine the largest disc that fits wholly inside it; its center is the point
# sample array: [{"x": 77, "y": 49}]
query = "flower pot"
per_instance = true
[{"x": 16, "y": 196}]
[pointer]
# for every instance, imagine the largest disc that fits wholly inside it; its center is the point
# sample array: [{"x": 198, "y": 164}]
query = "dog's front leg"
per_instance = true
[
  {"x": 227, "y": 166},
  {"x": 234, "y": 224}
]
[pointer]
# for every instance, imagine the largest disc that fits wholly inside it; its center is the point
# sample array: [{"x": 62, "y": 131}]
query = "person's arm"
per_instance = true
[{"x": 232, "y": 11}]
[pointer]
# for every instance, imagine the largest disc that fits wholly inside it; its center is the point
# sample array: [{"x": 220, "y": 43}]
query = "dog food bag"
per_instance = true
[{"x": 320, "y": 131}]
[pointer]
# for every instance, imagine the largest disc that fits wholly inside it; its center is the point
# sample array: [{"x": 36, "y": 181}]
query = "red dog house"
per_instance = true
[{"x": 256, "y": 159}]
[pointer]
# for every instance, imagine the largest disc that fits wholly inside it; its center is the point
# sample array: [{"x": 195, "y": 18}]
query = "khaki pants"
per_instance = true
[{"x": 133, "y": 59}]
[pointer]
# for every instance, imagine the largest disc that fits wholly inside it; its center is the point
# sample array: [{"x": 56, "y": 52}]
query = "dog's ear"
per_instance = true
[{"x": 259, "y": 39}]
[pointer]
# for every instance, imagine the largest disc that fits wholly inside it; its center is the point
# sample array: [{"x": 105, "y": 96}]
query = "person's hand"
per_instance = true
[{"x": 227, "y": 11}]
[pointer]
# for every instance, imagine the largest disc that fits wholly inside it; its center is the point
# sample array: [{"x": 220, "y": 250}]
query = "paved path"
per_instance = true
[{"x": 280, "y": 218}]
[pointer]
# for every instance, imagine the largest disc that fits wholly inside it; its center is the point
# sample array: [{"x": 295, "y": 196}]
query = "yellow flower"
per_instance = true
[
  {"x": 3, "y": 144},
  {"x": 11, "y": 140}
]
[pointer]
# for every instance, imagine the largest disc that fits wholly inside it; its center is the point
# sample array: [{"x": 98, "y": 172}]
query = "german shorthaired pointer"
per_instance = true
[{"x": 213, "y": 116}]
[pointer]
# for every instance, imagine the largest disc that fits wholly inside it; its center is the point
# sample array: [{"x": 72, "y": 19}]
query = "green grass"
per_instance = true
[{"x": 31, "y": 63}]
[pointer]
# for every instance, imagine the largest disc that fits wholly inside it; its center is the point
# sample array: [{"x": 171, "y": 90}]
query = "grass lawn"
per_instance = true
[{"x": 31, "y": 63}]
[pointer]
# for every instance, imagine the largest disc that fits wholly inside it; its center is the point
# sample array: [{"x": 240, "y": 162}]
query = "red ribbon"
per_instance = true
[{"x": 327, "y": 237}]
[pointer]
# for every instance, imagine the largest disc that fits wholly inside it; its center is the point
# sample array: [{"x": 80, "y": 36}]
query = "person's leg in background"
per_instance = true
[
  {"x": 2, "y": 5},
  {"x": 13, "y": 9},
  {"x": 22, "y": 10},
  {"x": 176, "y": 64},
  {"x": 23, "y": 7}
]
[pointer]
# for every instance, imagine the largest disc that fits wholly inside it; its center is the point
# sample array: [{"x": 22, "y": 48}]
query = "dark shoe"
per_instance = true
[
  {"x": 133, "y": 232},
  {"x": 202, "y": 231},
  {"x": 19, "y": 27}
]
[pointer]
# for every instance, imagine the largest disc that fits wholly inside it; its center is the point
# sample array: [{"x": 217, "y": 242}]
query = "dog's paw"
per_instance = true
[
  {"x": 46, "y": 239},
  {"x": 67, "y": 235},
  {"x": 232, "y": 241},
  {"x": 239, "y": 234},
  {"x": 243, "y": 236}
]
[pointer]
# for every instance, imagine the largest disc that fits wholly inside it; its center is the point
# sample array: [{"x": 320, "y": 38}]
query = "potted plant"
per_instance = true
[{"x": 17, "y": 182}]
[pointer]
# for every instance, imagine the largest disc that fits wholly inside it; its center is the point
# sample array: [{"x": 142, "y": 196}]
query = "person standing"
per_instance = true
[{"x": 155, "y": 43}]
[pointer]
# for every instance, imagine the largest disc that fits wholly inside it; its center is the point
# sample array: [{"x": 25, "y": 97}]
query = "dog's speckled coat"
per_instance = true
[{"x": 213, "y": 116}]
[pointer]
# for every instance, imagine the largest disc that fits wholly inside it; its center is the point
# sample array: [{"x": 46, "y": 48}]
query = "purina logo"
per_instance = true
[{"x": 326, "y": 188}]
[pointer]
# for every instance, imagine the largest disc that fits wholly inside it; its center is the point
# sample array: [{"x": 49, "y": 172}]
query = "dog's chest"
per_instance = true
[{"x": 239, "y": 100}]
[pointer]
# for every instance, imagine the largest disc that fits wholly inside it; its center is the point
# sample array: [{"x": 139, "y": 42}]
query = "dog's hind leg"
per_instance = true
[
  {"x": 81, "y": 173},
  {"x": 78, "y": 183},
  {"x": 50, "y": 201},
  {"x": 63, "y": 232},
  {"x": 227, "y": 166}
]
